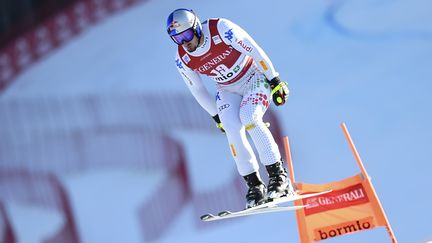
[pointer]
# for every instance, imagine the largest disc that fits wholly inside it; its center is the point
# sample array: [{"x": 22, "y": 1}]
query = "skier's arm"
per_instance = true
[
  {"x": 196, "y": 87},
  {"x": 240, "y": 40}
]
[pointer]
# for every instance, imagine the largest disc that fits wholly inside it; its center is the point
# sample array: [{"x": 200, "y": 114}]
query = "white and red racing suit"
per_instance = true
[{"x": 240, "y": 68}]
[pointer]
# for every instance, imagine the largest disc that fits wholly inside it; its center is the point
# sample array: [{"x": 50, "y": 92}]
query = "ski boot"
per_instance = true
[
  {"x": 279, "y": 183},
  {"x": 257, "y": 190}
]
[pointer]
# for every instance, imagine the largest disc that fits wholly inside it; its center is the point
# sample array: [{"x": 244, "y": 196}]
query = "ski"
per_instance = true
[
  {"x": 269, "y": 207},
  {"x": 228, "y": 214}
]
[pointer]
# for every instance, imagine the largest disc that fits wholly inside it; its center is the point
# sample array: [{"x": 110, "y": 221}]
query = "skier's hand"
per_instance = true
[
  {"x": 218, "y": 123},
  {"x": 279, "y": 91}
]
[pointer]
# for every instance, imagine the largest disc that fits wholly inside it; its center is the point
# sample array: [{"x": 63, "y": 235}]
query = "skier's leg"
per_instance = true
[
  {"x": 228, "y": 109},
  {"x": 254, "y": 104},
  {"x": 252, "y": 108}
]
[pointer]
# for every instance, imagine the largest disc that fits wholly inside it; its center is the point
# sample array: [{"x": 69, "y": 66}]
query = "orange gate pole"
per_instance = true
[
  {"x": 367, "y": 178},
  {"x": 301, "y": 223}
]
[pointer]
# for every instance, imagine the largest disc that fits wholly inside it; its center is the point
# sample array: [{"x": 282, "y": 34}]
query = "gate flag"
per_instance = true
[
  {"x": 352, "y": 206},
  {"x": 349, "y": 208}
]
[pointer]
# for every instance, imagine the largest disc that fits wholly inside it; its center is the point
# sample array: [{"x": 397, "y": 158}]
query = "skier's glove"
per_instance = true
[
  {"x": 279, "y": 91},
  {"x": 218, "y": 123}
]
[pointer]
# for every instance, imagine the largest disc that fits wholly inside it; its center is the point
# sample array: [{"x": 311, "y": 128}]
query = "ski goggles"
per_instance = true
[{"x": 186, "y": 36}]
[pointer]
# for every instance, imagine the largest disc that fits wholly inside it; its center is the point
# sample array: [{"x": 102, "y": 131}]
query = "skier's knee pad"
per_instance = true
[
  {"x": 250, "y": 122},
  {"x": 251, "y": 118}
]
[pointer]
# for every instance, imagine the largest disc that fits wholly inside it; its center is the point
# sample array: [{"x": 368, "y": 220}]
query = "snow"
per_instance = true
[
  {"x": 33, "y": 224},
  {"x": 374, "y": 74},
  {"x": 106, "y": 202},
  {"x": 209, "y": 168}
]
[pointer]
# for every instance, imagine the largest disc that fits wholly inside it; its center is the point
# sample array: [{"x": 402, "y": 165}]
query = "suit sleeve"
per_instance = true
[
  {"x": 196, "y": 87},
  {"x": 240, "y": 40}
]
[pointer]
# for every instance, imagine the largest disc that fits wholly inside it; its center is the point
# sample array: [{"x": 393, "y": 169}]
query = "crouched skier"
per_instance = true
[{"x": 246, "y": 82}]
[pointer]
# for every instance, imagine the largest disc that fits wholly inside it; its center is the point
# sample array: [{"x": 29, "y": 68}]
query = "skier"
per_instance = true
[{"x": 245, "y": 80}]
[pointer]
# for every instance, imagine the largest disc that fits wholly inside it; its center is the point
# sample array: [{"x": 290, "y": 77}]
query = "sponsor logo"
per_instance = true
[
  {"x": 350, "y": 196},
  {"x": 204, "y": 45},
  {"x": 237, "y": 68},
  {"x": 217, "y": 96},
  {"x": 233, "y": 150},
  {"x": 229, "y": 35},
  {"x": 223, "y": 107},
  {"x": 244, "y": 46},
  {"x": 187, "y": 78},
  {"x": 174, "y": 24},
  {"x": 263, "y": 65},
  {"x": 216, "y": 39},
  {"x": 344, "y": 228},
  {"x": 179, "y": 64},
  {"x": 213, "y": 62},
  {"x": 186, "y": 58},
  {"x": 223, "y": 73}
]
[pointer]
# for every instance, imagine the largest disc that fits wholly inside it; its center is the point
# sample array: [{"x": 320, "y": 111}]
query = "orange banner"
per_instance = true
[{"x": 349, "y": 208}]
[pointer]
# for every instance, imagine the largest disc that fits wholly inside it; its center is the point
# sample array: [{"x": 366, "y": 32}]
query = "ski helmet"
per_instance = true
[{"x": 182, "y": 25}]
